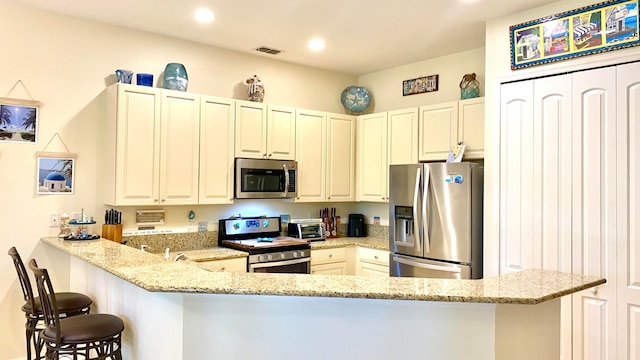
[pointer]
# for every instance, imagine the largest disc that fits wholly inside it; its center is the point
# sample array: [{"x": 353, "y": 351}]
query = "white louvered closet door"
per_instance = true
[
  {"x": 628, "y": 211},
  {"x": 516, "y": 181},
  {"x": 594, "y": 177}
]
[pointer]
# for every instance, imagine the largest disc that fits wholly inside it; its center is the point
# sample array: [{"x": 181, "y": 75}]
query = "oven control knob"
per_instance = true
[
  {"x": 301, "y": 253},
  {"x": 294, "y": 254},
  {"x": 260, "y": 257},
  {"x": 269, "y": 257},
  {"x": 282, "y": 256}
]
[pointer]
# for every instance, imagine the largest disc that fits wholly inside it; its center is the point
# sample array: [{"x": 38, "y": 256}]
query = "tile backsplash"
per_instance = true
[{"x": 156, "y": 243}]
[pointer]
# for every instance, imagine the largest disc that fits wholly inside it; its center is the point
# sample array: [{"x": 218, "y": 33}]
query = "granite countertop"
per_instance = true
[{"x": 153, "y": 273}]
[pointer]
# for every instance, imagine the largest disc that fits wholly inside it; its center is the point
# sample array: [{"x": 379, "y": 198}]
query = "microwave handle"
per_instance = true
[{"x": 286, "y": 180}]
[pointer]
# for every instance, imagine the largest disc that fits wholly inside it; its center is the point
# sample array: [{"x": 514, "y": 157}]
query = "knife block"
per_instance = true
[{"x": 112, "y": 232}]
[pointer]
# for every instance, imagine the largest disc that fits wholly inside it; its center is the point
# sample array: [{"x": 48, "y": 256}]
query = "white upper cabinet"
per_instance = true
[
  {"x": 371, "y": 164},
  {"x": 402, "y": 136},
  {"x": 217, "y": 116},
  {"x": 251, "y": 130},
  {"x": 281, "y": 132},
  {"x": 438, "y": 130},
  {"x": 444, "y": 125},
  {"x": 471, "y": 127},
  {"x": 151, "y": 146},
  {"x": 264, "y": 131},
  {"x": 311, "y": 155},
  {"x": 341, "y": 157}
]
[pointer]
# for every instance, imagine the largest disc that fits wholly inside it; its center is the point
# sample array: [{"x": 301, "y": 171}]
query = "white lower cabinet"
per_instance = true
[
  {"x": 228, "y": 265},
  {"x": 350, "y": 260},
  {"x": 329, "y": 261},
  {"x": 372, "y": 262}
]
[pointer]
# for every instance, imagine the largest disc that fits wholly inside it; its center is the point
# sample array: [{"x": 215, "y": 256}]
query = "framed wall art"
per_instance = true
[
  {"x": 55, "y": 175},
  {"x": 597, "y": 28},
  {"x": 420, "y": 85},
  {"x": 18, "y": 120}
]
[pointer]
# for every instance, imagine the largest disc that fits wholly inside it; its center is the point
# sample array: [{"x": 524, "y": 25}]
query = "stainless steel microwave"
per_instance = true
[{"x": 265, "y": 179}]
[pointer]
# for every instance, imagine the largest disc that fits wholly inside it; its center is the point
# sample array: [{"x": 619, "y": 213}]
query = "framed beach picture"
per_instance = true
[
  {"x": 420, "y": 85},
  {"x": 18, "y": 120},
  {"x": 597, "y": 28},
  {"x": 55, "y": 175}
]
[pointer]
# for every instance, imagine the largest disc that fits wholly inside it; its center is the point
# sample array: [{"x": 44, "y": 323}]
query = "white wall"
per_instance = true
[
  {"x": 498, "y": 70},
  {"x": 386, "y": 85},
  {"x": 66, "y": 63}
]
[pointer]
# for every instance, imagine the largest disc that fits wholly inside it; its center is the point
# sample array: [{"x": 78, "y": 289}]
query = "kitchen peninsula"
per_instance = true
[{"x": 176, "y": 311}]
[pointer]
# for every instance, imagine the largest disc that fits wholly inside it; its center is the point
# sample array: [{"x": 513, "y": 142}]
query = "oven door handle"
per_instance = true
[
  {"x": 279, "y": 263},
  {"x": 286, "y": 180}
]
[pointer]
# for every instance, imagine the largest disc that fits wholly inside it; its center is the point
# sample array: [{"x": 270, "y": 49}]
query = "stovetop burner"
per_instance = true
[{"x": 257, "y": 235}]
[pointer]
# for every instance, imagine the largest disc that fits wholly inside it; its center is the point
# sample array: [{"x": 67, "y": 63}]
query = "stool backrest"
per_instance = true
[
  {"x": 25, "y": 283},
  {"x": 47, "y": 297}
]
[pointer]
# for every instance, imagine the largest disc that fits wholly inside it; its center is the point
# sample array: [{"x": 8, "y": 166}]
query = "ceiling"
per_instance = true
[{"x": 362, "y": 36}]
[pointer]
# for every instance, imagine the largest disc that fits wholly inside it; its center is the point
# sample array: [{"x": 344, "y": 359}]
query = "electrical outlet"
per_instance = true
[
  {"x": 202, "y": 226},
  {"x": 54, "y": 220}
]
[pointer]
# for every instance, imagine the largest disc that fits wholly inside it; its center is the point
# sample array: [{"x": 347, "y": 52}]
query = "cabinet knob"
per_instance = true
[
  {"x": 223, "y": 268},
  {"x": 330, "y": 256},
  {"x": 376, "y": 257},
  {"x": 594, "y": 291},
  {"x": 155, "y": 200},
  {"x": 269, "y": 156}
]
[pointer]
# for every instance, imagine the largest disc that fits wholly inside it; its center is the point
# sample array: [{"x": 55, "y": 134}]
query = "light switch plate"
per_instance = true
[{"x": 202, "y": 226}]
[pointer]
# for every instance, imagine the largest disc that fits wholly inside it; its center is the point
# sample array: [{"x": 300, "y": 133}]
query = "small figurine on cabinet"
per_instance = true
[{"x": 256, "y": 89}]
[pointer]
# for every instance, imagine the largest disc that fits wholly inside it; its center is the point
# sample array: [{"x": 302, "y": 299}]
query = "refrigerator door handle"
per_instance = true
[
  {"x": 425, "y": 228},
  {"x": 417, "y": 264},
  {"x": 416, "y": 197}
]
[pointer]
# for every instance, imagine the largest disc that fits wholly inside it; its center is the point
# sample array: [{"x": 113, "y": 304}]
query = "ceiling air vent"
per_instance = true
[{"x": 267, "y": 50}]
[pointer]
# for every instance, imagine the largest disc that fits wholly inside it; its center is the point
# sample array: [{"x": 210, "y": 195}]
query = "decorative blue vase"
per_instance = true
[{"x": 175, "y": 77}]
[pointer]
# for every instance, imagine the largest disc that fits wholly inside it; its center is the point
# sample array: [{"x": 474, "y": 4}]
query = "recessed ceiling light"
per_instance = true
[
  {"x": 317, "y": 44},
  {"x": 204, "y": 16}
]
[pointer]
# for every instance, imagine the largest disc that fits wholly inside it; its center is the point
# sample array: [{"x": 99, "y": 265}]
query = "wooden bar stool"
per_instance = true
[
  {"x": 90, "y": 336},
  {"x": 70, "y": 304}
]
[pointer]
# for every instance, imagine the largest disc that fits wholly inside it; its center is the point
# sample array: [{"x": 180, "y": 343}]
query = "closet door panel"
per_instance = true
[
  {"x": 628, "y": 211},
  {"x": 594, "y": 210},
  {"x": 516, "y": 185}
]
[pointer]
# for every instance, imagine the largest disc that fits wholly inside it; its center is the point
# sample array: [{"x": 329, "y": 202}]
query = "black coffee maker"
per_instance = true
[{"x": 357, "y": 227}]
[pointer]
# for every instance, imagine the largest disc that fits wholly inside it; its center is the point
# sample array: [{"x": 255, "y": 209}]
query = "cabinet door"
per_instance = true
[
  {"x": 367, "y": 269},
  {"x": 133, "y": 176},
  {"x": 251, "y": 130},
  {"x": 371, "y": 162},
  {"x": 341, "y": 157},
  {"x": 311, "y": 155},
  {"x": 281, "y": 132},
  {"x": 339, "y": 268},
  {"x": 217, "y": 118},
  {"x": 594, "y": 179},
  {"x": 471, "y": 127},
  {"x": 179, "y": 148},
  {"x": 402, "y": 136},
  {"x": 438, "y": 131},
  {"x": 628, "y": 213}
]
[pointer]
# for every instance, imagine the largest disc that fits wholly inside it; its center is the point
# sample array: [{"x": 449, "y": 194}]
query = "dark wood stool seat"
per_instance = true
[
  {"x": 90, "y": 336},
  {"x": 69, "y": 304}
]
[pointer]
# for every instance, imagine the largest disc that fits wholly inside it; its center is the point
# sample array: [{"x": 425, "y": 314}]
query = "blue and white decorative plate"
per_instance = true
[{"x": 356, "y": 99}]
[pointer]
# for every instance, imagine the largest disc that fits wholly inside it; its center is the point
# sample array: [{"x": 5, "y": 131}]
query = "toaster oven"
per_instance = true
[{"x": 309, "y": 229}]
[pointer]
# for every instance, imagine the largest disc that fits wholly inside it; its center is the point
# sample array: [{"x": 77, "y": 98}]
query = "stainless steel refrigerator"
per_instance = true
[{"x": 435, "y": 227}]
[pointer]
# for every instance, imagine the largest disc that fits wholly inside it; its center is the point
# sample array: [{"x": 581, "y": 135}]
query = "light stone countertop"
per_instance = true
[{"x": 155, "y": 274}]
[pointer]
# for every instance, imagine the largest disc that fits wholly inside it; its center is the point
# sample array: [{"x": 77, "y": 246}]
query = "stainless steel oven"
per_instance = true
[
  {"x": 268, "y": 252},
  {"x": 265, "y": 179},
  {"x": 290, "y": 262}
]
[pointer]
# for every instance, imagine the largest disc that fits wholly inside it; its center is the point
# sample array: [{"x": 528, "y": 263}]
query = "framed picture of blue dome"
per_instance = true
[{"x": 55, "y": 176}]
